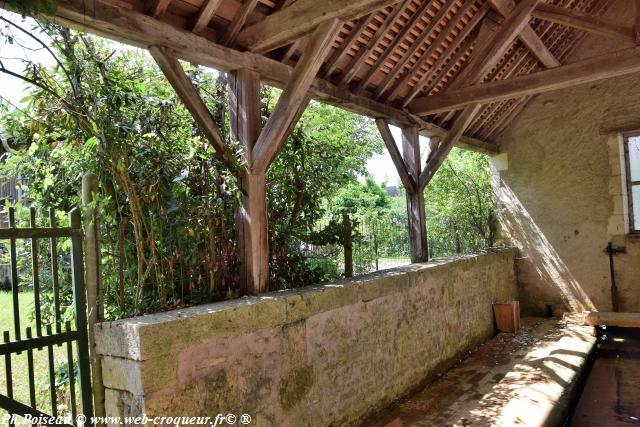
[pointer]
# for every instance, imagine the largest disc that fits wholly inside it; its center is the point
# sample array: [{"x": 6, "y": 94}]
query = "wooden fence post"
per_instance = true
[
  {"x": 95, "y": 303},
  {"x": 348, "y": 246}
]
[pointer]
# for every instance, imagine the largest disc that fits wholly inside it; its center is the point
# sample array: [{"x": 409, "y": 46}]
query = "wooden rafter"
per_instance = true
[
  {"x": 464, "y": 36},
  {"x": 176, "y": 76},
  {"x": 490, "y": 53},
  {"x": 157, "y": 8},
  {"x": 334, "y": 60},
  {"x": 417, "y": 43},
  {"x": 205, "y": 15},
  {"x": 301, "y": 17},
  {"x": 351, "y": 69},
  {"x": 605, "y": 66},
  {"x": 399, "y": 38},
  {"x": 280, "y": 123},
  {"x": 434, "y": 45},
  {"x": 583, "y": 21},
  {"x": 236, "y": 25},
  {"x": 528, "y": 36}
]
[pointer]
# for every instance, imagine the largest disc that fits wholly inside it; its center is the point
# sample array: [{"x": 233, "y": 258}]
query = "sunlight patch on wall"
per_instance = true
[{"x": 520, "y": 228}]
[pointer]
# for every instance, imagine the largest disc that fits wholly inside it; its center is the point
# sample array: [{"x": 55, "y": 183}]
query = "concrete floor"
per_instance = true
[
  {"x": 520, "y": 379},
  {"x": 611, "y": 395}
]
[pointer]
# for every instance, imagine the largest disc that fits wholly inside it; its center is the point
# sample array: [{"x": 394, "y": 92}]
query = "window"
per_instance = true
[{"x": 632, "y": 159}]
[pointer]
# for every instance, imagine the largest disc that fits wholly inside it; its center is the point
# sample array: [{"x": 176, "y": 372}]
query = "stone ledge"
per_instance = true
[
  {"x": 204, "y": 323},
  {"x": 527, "y": 379}
]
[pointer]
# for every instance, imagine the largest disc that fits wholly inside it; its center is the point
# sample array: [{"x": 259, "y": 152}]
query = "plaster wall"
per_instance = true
[
  {"x": 562, "y": 197},
  {"x": 319, "y": 356}
]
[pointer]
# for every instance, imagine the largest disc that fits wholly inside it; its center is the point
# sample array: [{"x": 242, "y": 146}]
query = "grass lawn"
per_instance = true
[{"x": 20, "y": 373}]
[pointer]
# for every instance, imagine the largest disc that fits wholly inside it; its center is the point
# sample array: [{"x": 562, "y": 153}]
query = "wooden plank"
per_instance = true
[
  {"x": 279, "y": 124},
  {"x": 583, "y": 21},
  {"x": 302, "y": 17},
  {"x": 436, "y": 158},
  {"x": 205, "y": 15},
  {"x": 181, "y": 83},
  {"x": 528, "y": 36},
  {"x": 415, "y": 199},
  {"x": 407, "y": 180},
  {"x": 158, "y": 8},
  {"x": 236, "y": 25},
  {"x": 605, "y": 66}
]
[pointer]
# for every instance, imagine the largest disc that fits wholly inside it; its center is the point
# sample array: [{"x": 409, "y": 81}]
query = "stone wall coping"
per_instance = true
[{"x": 122, "y": 338}]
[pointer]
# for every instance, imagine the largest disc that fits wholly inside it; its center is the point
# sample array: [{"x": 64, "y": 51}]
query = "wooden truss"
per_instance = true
[{"x": 457, "y": 71}]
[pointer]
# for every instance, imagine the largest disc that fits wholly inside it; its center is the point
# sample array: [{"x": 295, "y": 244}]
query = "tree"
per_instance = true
[
  {"x": 460, "y": 205},
  {"x": 168, "y": 203}
]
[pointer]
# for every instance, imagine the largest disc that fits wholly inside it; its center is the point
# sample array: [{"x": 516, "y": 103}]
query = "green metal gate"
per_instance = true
[{"x": 40, "y": 340}]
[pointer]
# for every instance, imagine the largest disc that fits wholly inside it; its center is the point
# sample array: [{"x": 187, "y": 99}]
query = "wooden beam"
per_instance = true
[
  {"x": 389, "y": 141},
  {"x": 583, "y": 21},
  {"x": 181, "y": 83},
  {"x": 490, "y": 53},
  {"x": 457, "y": 130},
  {"x": 605, "y": 66},
  {"x": 528, "y": 36},
  {"x": 137, "y": 29},
  {"x": 251, "y": 215},
  {"x": 158, "y": 7},
  {"x": 238, "y": 21},
  {"x": 205, "y": 15},
  {"x": 636, "y": 27},
  {"x": 415, "y": 199},
  {"x": 277, "y": 128},
  {"x": 301, "y": 17}
]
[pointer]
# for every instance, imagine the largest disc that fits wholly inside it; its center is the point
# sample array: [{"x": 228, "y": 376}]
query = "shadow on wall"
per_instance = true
[{"x": 543, "y": 276}]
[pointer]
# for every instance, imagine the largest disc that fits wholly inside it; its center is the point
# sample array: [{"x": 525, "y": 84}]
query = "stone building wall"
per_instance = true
[
  {"x": 562, "y": 193},
  {"x": 318, "y": 356}
]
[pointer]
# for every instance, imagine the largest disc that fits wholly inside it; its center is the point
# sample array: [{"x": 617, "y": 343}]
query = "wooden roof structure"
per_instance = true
[
  {"x": 458, "y": 71},
  {"x": 388, "y": 58}
]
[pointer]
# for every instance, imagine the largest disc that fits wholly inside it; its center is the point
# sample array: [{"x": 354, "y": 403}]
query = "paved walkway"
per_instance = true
[{"x": 512, "y": 380}]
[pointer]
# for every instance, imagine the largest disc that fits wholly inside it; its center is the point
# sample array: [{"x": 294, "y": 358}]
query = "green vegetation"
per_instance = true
[
  {"x": 167, "y": 204},
  {"x": 40, "y": 360}
]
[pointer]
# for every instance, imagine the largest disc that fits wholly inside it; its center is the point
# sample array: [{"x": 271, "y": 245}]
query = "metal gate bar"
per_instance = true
[{"x": 50, "y": 339}]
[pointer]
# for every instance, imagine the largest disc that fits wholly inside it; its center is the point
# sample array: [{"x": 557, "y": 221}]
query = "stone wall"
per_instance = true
[
  {"x": 562, "y": 194},
  {"x": 318, "y": 356}
]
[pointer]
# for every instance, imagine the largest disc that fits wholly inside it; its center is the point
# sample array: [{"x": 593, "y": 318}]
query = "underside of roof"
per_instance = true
[{"x": 391, "y": 56}]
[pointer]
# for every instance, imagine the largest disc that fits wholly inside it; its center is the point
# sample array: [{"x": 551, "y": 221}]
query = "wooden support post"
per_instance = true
[
  {"x": 409, "y": 171},
  {"x": 251, "y": 216},
  {"x": 94, "y": 290},
  {"x": 415, "y": 198}
]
